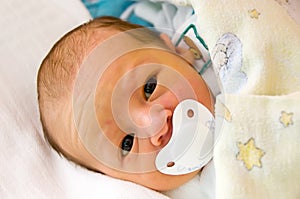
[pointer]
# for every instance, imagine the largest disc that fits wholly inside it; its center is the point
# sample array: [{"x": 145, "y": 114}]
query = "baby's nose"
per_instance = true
[
  {"x": 152, "y": 121},
  {"x": 162, "y": 137}
]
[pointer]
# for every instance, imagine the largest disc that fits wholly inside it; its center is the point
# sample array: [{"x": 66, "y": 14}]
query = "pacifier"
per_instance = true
[{"x": 191, "y": 145}]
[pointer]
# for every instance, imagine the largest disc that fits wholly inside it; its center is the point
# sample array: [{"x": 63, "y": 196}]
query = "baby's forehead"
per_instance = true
[{"x": 108, "y": 44}]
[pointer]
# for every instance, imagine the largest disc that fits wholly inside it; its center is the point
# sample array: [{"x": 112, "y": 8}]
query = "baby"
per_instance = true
[{"x": 107, "y": 92}]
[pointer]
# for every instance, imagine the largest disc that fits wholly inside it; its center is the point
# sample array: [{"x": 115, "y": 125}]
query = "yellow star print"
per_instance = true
[
  {"x": 250, "y": 154},
  {"x": 254, "y": 13},
  {"x": 286, "y": 119}
]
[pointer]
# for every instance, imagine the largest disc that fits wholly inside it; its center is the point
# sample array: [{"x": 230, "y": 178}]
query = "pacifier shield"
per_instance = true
[{"x": 192, "y": 141}]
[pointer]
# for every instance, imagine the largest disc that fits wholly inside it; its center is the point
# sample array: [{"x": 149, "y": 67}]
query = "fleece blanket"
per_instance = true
[{"x": 255, "y": 50}]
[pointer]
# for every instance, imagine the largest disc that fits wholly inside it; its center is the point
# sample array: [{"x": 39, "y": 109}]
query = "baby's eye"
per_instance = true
[
  {"x": 127, "y": 144},
  {"x": 150, "y": 87}
]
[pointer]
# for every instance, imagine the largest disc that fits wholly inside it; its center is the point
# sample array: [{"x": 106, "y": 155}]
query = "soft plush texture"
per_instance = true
[
  {"x": 29, "y": 168},
  {"x": 255, "y": 50}
]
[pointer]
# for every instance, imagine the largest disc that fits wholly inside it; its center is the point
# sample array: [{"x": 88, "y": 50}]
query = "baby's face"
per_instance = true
[{"x": 134, "y": 103}]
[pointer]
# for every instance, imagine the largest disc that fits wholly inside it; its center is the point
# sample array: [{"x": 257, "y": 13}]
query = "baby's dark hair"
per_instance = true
[{"x": 58, "y": 70}]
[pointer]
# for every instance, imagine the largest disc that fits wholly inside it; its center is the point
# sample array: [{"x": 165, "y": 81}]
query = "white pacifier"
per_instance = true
[{"x": 191, "y": 145}]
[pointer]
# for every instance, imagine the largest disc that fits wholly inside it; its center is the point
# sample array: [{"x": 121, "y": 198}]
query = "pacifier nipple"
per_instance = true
[{"x": 192, "y": 141}]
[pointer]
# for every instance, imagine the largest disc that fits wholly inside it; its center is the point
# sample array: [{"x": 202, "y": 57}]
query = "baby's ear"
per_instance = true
[{"x": 185, "y": 53}]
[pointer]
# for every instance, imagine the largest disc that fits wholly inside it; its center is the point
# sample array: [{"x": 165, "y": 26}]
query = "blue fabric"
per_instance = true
[
  {"x": 115, "y": 8},
  {"x": 137, "y": 20}
]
